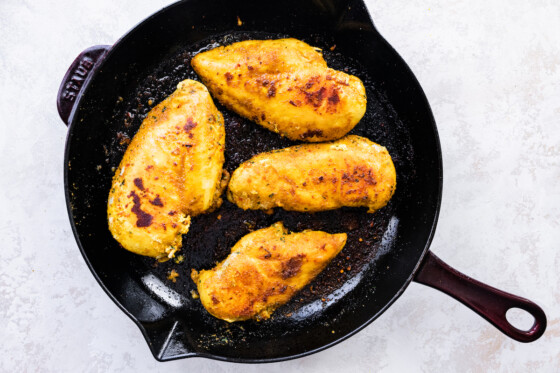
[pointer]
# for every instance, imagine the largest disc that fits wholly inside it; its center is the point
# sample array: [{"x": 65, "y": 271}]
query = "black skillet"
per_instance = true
[{"x": 108, "y": 91}]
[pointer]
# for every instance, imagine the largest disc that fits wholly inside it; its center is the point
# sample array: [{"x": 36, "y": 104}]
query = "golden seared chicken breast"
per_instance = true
[
  {"x": 264, "y": 270},
  {"x": 352, "y": 171},
  {"x": 171, "y": 170},
  {"x": 285, "y": 86}
]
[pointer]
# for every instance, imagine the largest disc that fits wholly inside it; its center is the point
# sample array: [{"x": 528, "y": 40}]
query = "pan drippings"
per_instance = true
[{"x": 211, "y": 236}]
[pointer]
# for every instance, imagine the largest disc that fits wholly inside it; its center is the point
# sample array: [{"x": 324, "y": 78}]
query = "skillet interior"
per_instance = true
[{"x": 146, "y": 65}]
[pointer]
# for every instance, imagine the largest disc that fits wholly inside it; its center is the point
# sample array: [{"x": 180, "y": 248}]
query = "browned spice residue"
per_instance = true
[
  {"x": 139, "y": 184},
  {"x": 292, "y": 266},
  {"x": 157, "y": 201},
  {"x": 360, "y": 173},
  {"x": 267, "y": 255},
  {"x": 123, "y": 138},
  {"x": 271, "y": 91},
  {"x": 333, "y": 98},
  {"x": 311, "y": 82},
  {"x": 311, "y": 133},
  {"x": 317, "y": 97},
  {"x": 189, "y": 126},
  {"x": 143, "y": 218}
]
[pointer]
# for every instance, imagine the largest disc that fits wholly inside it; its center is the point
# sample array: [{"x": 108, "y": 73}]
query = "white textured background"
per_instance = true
[{"x": 491, "y": 71}]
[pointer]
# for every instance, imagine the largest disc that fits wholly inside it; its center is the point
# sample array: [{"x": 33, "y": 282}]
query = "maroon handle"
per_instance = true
[
  {"x": 75, "y": 78},
  {"x": 489, "y": 302}
]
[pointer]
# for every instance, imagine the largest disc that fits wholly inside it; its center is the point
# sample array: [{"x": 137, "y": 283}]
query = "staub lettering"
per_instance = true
[{"x": 77, "y": 79}]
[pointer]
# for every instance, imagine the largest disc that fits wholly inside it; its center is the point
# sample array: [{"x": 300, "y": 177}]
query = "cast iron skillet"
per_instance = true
[{"x": 108, "y": 91}]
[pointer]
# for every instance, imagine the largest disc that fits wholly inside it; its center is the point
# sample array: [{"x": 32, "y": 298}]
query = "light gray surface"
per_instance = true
[{"x": 491, "y": 71}]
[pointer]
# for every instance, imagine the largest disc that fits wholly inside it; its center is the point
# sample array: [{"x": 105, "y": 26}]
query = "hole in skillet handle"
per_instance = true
[
  {"x": 522, "y": 320},
  {"x": 488, "y": 302},
  {"x": 75, "y": 79}
]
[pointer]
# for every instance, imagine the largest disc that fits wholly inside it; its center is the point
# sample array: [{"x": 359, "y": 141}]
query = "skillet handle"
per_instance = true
[
  {"x": 76, "y": 77},
  {"x": 488, "y": 302}
]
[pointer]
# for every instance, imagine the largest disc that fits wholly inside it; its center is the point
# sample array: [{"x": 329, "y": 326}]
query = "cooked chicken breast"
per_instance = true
[
  {"x": 352, "y": 171},
  {"x": 285, "y": 86},
  {"x": 264, "y": 270},
  {"x": 171, "y": 170}
]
